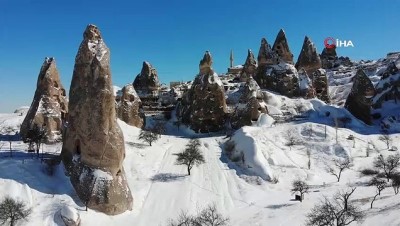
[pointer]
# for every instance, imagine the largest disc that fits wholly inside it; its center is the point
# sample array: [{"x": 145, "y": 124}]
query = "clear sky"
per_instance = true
[{"x": 173, "y": 34}]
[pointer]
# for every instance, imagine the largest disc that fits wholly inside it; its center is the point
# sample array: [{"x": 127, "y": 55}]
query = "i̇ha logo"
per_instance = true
[{"x": 332, "y": 43}]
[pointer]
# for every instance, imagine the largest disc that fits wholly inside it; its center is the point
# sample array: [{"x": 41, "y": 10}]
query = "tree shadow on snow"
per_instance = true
[
  {"x": 167, "y": 177},
  {"x": 136, "y": 145}
]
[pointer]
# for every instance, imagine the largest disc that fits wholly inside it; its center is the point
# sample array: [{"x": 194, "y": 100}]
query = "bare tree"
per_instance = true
[
  {"x": 148, "y": 136},
  {"x": 385, "y": 137},
  {"x": 209, "y": 216},
  {"x": 379, "y": 184},
  {"x": 339, "y": 167},
  {"x": 389, "y": 165},
  {"x": 191, "y": 156},
  {"x": 159, "y": 128},
  {"x": 291, "y": 138},
  {"x": 12, "y": 211},
  {"x": 396, "y": 183},
  {"x": 300, "y": 186},
  {"x": 309, "y": 158},
  {"x": 35, "y": 135},
  {"x": 9, "y": 131},
  {"x": 336, "y": 212}
]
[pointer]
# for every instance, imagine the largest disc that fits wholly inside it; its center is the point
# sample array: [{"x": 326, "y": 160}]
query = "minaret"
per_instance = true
[{"x": 231, "y": 59}]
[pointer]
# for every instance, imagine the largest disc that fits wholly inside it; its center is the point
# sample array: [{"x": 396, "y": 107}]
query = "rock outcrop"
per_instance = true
[
  {"x": 203, "y": 106},
  {"x": 249, "y": 67},
  {"x": 359, "y": 100},
  {"x": 305, "y": 85},
  {"x": 388, "y": 88},
  {"x": 328, "y": 58},
  {"x": 308, "y": 58},
  {"x": 281, "y": 47},
  {"x": 49, "y": 107},
  {"x": 129, "y": 107},
  {"x": 250, "y": 106},
  {"x": 321, "y": 85},
  {"x": 146, "y": 82},
  {"x": 266, "y": 56},
  {"x": 93, "y": 149}
]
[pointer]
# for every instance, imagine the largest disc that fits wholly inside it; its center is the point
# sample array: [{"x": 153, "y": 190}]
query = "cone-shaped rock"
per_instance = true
[
  {"x": 129, "y": 107},
  {"x": 203, "y": 106},
  {"x": 249, "y": 67},
  {"x": 147, "y": 82},
  {"x": 93, "y": 147},
  {"x": 266, "y": 56},
  {"x": 387, "y": 88},
  {"x": 308, "y": 58},
  {"x": 328, "y": 58},
  {"x": 251, "y": 105},
  {"x": 281, "y": 47},
  {"x": 49, "y": 106},
  {"x": 321, "y": 85},
  {"x": 359, "y": 100}
]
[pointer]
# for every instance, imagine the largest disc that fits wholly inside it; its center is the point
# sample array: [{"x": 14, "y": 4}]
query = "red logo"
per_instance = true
[{"x": 329, "y": 43}]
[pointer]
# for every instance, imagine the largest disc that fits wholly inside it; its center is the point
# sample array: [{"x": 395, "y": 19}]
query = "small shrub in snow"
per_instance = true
[
  {"x": 388, "y": 165},
  {"x": 385, "y": 137},
  {"x": 12, "y": 211},
  {"x": 191, "y": 156},
  {"x": 369, "y": 172},
  {"x": 148, "y": 136},
  {"x": 275, "y": 179},
  {"x": 301, "y": 187},
  {"x": 291, "y": 138},
  {"x": 396, "y": 183}
]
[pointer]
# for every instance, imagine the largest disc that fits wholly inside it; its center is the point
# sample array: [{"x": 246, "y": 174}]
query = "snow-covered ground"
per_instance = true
[{"x": 242, "y": 191}]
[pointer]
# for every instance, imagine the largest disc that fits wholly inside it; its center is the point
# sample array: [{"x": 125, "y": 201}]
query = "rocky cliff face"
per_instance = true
[
  {"x": 308, "y": 59},
  {"x": 321, "y": 85},
  {"x": 249, "y": 67},
  {"x": 328, "y": 58},
  {"x": 203, "y": 106},
  {"x": 388, "y": 88},
  {"x": 129, "y": 107},
  {"x": 250, "y": 106},
  {"x": 281, "y": 48},
  {"x": 49, "y": 107},
  {"x": 147, "y": 82},
  {"x": 359, "y": 100},
  {"x": 305, "y": 85},
  {"x": 93, "y": 148}
]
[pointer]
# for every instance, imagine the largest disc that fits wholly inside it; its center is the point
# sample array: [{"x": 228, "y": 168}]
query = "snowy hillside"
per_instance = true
[{"x": 253, "y": 189}]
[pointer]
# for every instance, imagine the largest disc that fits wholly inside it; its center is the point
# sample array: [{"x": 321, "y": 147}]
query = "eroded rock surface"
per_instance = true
[
  {"x": 129, "y": 107},
  {"x": 93, "y": 148},
  {"x": 49, "y": 107}
]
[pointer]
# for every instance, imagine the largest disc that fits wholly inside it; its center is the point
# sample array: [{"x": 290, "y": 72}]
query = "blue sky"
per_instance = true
[{"x": 174, "y": 34}]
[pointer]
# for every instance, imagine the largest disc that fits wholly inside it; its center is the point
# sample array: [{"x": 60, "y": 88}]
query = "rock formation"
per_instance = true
[
  {"x": 305, "y": 85},
  {"x": 93, "y": 148},
  {"x": 281, "y": 47},
  {"x": 249, "y": 67},
  {"x": 359, "y": 100},
  {"x": 328, "y": 58},
  {"x": 388, "y": 88},
  {"x": 129, "y": 107},
  {"x": 321, "y": 85},
  {"x": 266, "y": 56},
  {"x": 250, "y": 106},
  {"x": 146, "y": 82},
  {"x": 308, "y": 58},
  {"x": 203, "y": 106},
  {"x": 49, "y": 107}
]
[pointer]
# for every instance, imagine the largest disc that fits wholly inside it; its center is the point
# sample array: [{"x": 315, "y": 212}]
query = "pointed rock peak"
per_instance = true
[
  {"x": 281, "y": 47},
  {"x": 309, "y": 58},
  {"x": 92, "y": 33},
  {"x": 266, "y": 55},
  {"x": 206, "y": 63},
  {"x": 361, "y": 73},
  {"x": 250, "y": 56},
  {"x": 146, "y": 68}
]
